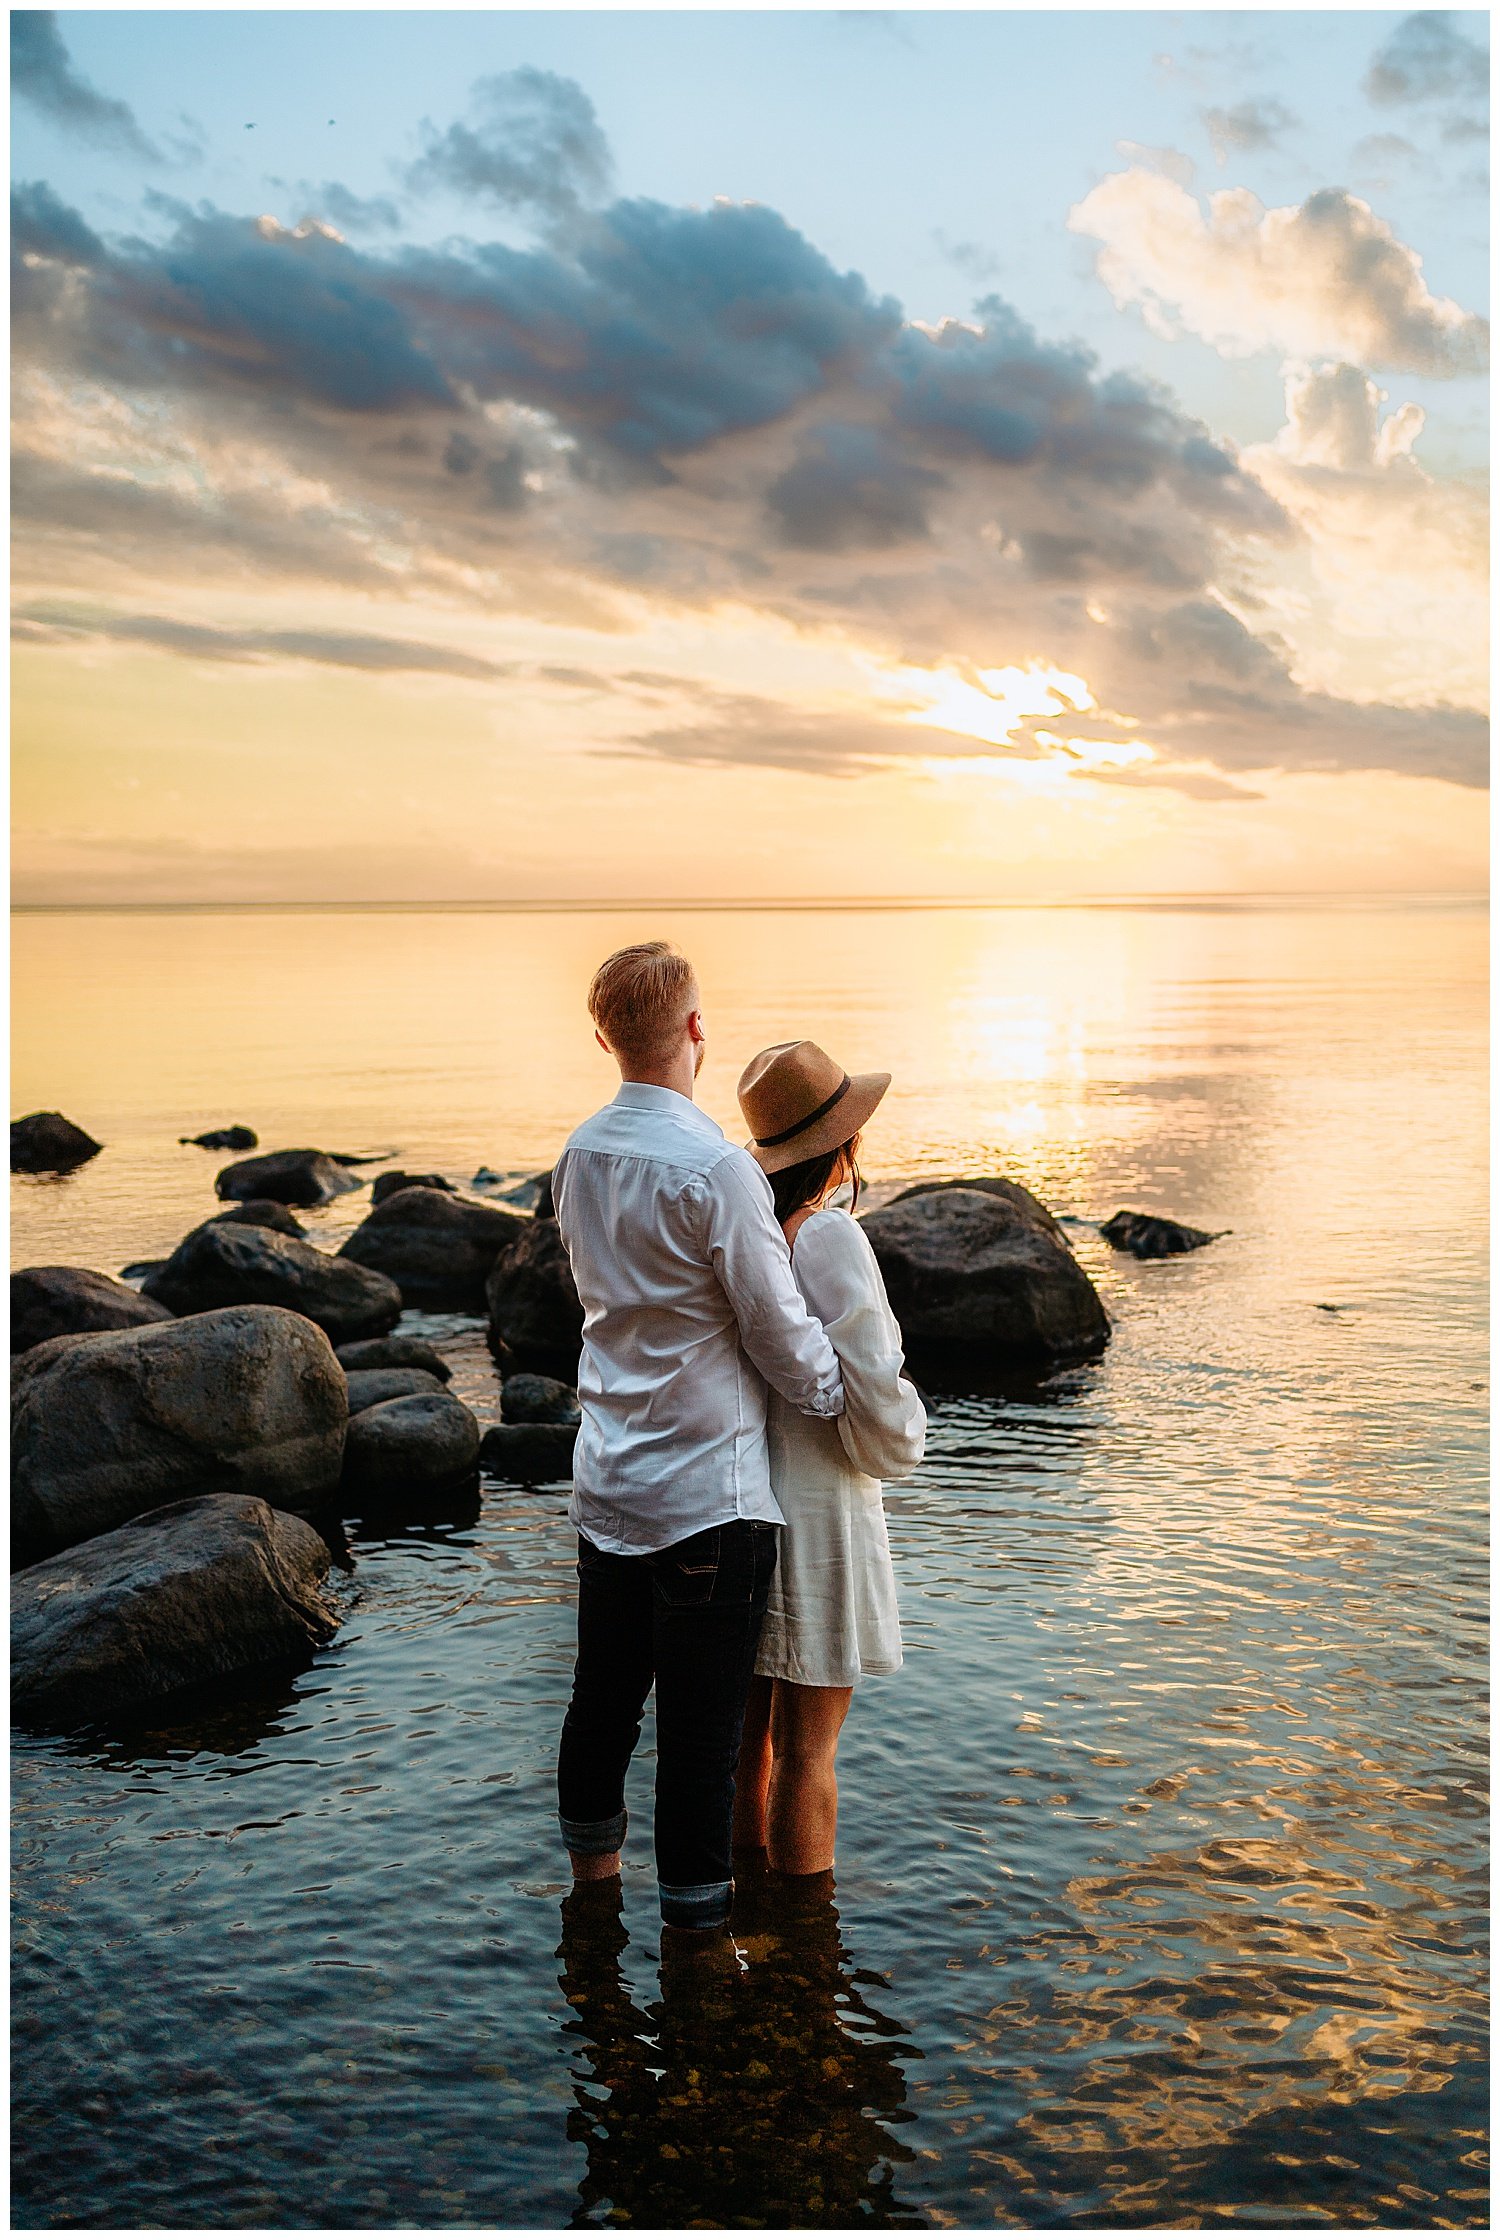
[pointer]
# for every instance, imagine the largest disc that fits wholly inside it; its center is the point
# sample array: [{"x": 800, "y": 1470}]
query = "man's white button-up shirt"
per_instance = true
[{"x": 689, "y": 1311}]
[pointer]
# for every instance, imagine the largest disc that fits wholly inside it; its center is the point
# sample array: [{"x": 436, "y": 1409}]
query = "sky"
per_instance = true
[{"x": 520, "y": 456}]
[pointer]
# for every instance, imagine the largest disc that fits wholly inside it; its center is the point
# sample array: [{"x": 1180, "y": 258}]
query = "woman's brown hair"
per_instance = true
[{"x": 802, "y": 1185}]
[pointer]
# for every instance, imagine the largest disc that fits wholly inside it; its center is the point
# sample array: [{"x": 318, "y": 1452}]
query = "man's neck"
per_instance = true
[{"x": 679, "y": 1077}]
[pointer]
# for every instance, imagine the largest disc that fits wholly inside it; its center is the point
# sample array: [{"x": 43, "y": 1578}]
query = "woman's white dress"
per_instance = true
[{"x": 832, "y": 1613}]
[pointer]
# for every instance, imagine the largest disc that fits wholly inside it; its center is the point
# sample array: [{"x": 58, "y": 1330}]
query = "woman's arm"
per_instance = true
[{"x": 884, "y": 1425}]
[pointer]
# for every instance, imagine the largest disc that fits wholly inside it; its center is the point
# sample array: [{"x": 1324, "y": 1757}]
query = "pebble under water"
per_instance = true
[{"x": 1161, "y": 1883}]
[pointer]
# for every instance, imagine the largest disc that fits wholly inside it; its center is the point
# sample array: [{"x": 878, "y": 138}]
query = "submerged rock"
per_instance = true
[
  {"x": 104, "y": 1427},
  {"x": 395, "y": 1352},
  {"x": 402, "y": 1449},
  {"x": 975, "y": 1272},
  {"x": 65, "y": 1302},
  {"x": 1150, "y": 1237},
  {"x": 437, "y": 1246},
  {"x": 263, "y": 1213},
  {"x": 386, "y": 1185},
  {"x": 186, "y": 1594},
  {"x": 47, "y": 1143},
  {"x": 533, "y": 1399},
  {"x": 528, "y": 1454},
  {"x": 292, "y": 1178},
  {"x": 224, "y": 1139},
  {"x": 536, "y": 1321},
  {"x": 232, "y": 1264},
  {"x": 368, "y": 1387},
  {"x": 1015, "y": 1195}
]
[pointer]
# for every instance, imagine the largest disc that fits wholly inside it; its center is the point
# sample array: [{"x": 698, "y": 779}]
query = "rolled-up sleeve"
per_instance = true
[{"x": 749, "y": 1255}]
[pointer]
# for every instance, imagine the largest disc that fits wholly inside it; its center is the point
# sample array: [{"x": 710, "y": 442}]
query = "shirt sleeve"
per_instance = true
[
  {"x": 749, "y": 1255},
  {"x": 884, "y": 1425}
]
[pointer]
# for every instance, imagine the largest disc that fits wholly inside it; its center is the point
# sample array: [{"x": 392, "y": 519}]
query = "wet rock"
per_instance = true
[
  {"x": 1015, "y": 1195},
  {"x": 536, "y": 1321},
  {"x": 386, "y": 1185},
  {"x": 437, "y": 1246},
  {"x": 263, "y": 1213},
  {"x": 368, "y": 1387},
  {"x": 533, "y": 1399},
  {"x": 136, "y": 1271},
  {"x": 66, "y": 1302},
  {"x": 401, "y": 1449},
  {"x": 46, "y": 1143},
  {"x": 543, "y": 1209},
  {"x": 187, "y": 1594},
  {"x": 107, "y": 1426},
  {"x": 292, "y": 1178},
  {"x": 1150, "y": 1237},
  {"x": 528, "y": 1454},
  {"x": 973, "y": 1272},
  {"x": 232, "y": 1264},
  {"x": 224, "y": 1139},
  {"x": 395, "y": 1353}
]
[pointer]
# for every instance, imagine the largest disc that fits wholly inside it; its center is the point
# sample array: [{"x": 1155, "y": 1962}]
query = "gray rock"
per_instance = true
[
  {"x": 395, "y": 1352},
  {"x": 187, "y": 1594},
  {"x": 1150, "y": 1237},
  {"x": 533, "y": 1399},
  {"x": 386, "y": 1185},
  {"x": 224, "y": 1139},
  {"x": 292, "y": 1178},
  {"x": 46, "y": 1143},
  {"x": 65, "y": 1302},
  {"x": 368, "y": 1387},
  {"x": 263, "y": 1213},
  {"x": 437, "y": 1246},
  {"x": 528, "y": 1454},
  {"x": 232, "y": 1264},
  {"x": 536, "y": 1321},
  {"x": 971, "y": 1272},
  {"x": 1029, "y": 1209},
  {"x": 401, "y": 1449},
  {"x": 104, "y": 1427}
]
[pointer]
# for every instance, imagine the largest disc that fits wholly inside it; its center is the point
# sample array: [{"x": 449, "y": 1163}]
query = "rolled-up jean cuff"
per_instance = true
[
  {"x": 593, "y": 1838},
  {"x": 695, "y": 1905}
]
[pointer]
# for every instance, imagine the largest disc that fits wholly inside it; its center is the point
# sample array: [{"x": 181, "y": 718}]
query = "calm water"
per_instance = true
[{"x": 1162, "y": 1862}]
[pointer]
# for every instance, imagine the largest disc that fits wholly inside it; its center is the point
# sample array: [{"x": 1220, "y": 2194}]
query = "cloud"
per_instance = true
[
  {"x": 1327, "y": 278},
  {"x": 751, "y": 729},
  {"x": 201, "y": 642},
  {"x": 533, "y": 144},
  {"x": 847, "y": 488},
  {"x": 360, "y": 213},
  {"x": 1170, "y": 162},
  {"x": 1427, "y": 58},
  {"x": 971, "y": 258},
  {"x": 1248, "y": 127},
  {"x": 42, "y": 73}
]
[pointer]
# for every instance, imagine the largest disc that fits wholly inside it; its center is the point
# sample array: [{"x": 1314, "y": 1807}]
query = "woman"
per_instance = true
[{"x": 832, "y": 1613}]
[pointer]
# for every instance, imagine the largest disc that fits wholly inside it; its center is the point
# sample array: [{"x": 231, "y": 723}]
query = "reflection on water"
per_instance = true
[{"x": 1161, "y": 1875}]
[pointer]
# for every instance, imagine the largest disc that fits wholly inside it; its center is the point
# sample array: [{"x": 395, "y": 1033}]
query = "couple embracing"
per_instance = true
[{"x": 742, "y": 1397}]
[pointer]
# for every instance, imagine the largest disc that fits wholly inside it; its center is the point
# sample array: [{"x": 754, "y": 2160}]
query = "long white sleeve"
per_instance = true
[{"x": 884, "y": 1425}]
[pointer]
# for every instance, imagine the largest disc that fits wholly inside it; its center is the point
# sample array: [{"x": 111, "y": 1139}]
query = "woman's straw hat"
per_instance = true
[{"x": 798, "y": 1102}]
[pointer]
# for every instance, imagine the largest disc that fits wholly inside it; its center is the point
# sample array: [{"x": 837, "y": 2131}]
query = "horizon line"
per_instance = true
[{"x": 1323, "y": 898}]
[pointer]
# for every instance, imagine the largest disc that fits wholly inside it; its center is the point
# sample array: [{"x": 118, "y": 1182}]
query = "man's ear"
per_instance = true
[
  {"x": 695, "y": 1027},
  {"x": 604, "y": 1046}
]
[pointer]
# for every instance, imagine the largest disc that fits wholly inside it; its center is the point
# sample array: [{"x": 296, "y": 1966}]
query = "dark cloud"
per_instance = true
[
  {"x": 1427, "y": 58},
  {"x": 846, "y": 488},
  {"x": 43, "y": 225},
  {"x": 1247, "y": 127},
  {"x": 331, "y": 648},
  {"x": 42, "y": 73},
  {"x": 533, "y": 143}
]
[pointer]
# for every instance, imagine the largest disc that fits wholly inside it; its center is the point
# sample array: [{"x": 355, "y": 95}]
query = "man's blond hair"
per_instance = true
[{"x": 640, "y": 999}]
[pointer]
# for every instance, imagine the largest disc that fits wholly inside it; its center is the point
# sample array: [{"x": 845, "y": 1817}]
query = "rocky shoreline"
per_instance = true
[{"x": 185, "y": 1454}]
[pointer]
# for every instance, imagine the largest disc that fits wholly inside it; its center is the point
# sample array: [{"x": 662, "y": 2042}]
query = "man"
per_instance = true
[{"x": 690, "y": 1309}]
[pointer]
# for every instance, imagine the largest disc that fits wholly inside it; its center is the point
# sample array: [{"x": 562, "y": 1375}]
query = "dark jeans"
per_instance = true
[{"x": 689, "y": 1618}]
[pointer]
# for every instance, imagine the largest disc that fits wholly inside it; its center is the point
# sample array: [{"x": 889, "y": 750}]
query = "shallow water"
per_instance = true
[{"x": 1161, "y": 1882}]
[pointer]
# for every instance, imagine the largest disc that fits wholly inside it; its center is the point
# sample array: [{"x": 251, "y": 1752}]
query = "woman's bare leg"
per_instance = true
[
  {"x": 802, "y": 1807},
  {"x": 752, "y": 1779}
]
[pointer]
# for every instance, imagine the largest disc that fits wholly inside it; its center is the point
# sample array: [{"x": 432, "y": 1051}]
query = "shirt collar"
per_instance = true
[{"x": 649, "y": 1096}]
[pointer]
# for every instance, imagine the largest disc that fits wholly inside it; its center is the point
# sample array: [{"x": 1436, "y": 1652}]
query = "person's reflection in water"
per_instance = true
[{"x": 753, "y": 2090}]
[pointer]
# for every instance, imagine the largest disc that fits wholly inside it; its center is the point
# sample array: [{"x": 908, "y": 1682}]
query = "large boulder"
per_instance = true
[
  {"x": 1150, "y": 1237},
  {"x": 527, "y": 1398},
  {"x": 536, "y": 1321},
  {"x": 528, "y": 1454},
  {"x": 395, "y": 1352},
  {"x": 224, "y": 1139},
  {"x": 65, "y": 1302},
  {"x": 403, "y": 1449},
  {"x": 263, "y": 1213},
  {"x": 292, "y": 1178},
  {"x": 186, "y": 1594},
  {"x": 386, "y": 1185},
  {"x": 969, "y": 1272},
  {"x": 46, "y": 1143},
  {"x": 437, "y": 1246},
  {"x": 104, "y": 1427},
  {"x": 368, "y": 1387},
  {"x": 232, "y": 1264},
  {"x": 1015, "y": 1195}
]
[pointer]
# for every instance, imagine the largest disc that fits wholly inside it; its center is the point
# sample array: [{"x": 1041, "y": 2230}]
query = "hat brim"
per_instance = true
[{"x": 848, "y": 1116}]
